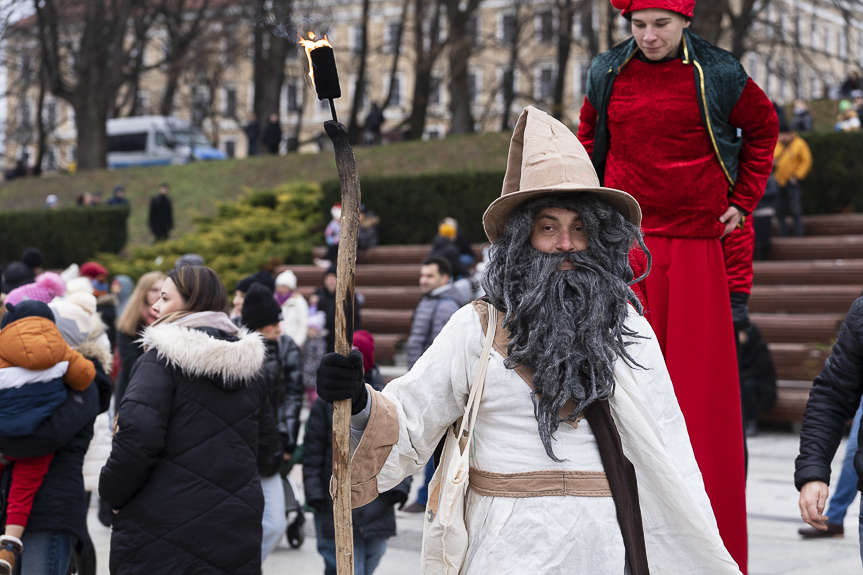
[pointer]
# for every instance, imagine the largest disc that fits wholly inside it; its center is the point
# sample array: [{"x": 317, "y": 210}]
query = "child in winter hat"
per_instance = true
[
  {"x": 35, "y": 363},
  {"x": 47, "y": 287}
]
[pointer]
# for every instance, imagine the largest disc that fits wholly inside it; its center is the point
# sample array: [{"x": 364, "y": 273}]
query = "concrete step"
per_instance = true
[
  {"x": 798, "y": 361},
  {"x": 798, "y": 328},
  {"x": 791, "y": 397},
  {"x": 818, "y": 247},
  {"x": 404, "y": 254},
  {"x": 803, "y": 299},
  {"x": 367, "y": 275},
  {"x": 833, "y": 225},
  {"x": 817, "y": 272}
]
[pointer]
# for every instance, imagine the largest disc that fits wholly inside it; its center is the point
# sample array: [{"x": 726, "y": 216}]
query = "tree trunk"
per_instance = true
[
  {"x": 394, "y": 69},
  {"x": 91, "y": 115},
  {"x": 425, "y": 60},
  {"x": 354, "y": 128},
  {"x": 461, "y": 45},
  {"x": 172, "y": 78},
  {"x": 40, "y": 128},
  {"x": 509, "y": 74},
  {"x": 564, "y": 48},
  {"x": 707, "y": 20}
]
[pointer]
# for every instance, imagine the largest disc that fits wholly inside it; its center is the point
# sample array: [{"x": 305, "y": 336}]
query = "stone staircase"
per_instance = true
[{"x": 799, "y": 300}]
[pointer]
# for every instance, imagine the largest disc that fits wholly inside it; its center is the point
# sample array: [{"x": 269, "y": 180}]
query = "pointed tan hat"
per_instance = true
[{"x": 546, "y": 158}]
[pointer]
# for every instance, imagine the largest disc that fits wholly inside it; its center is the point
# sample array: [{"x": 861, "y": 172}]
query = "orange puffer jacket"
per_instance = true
[{"x": 35, "y": 343}]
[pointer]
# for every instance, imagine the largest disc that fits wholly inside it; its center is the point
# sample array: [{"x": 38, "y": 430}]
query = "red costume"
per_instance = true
[{"x": 660, "y": 151}]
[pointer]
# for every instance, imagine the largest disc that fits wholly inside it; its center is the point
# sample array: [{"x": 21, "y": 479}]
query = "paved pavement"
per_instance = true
[{"x": 774, "y": 546}]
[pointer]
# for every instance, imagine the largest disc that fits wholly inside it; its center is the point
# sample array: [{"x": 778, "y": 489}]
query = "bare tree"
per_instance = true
[
  {"x": 461, "y": 45},
  {"x": 395, "y": 46},
  {"x": 515, "y": 24},
  {"x": 566, "y": 10},
  {"x": 428, "y": 46},
  {"x": 362, "y": 55},
  {"x": 707, "y": 19},
  {"x": 273, "y": 42}
]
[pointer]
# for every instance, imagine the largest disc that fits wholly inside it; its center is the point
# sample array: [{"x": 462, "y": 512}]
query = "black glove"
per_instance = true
[
  {"x": 397, "y": 497},
  {"x": 740, "y": 310},
  {"x": 340, "y": 377}
]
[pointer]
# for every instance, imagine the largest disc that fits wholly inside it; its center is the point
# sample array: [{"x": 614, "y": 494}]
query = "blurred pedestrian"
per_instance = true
[
  {"x": 465, "y": 249},
  {"x": 374, "y": 522},
  {"x": 325, "y": 301},
  {"x": 852, "y": 82},
  {"x": 757, "y": 377},
  {"x": 802, "y": 121},
  {"x": 792, "y": 161},
  {"x": 85, "y": 199},
  {"x": 282, "y": 378},
  {"x": 253, "y": 133},
  {"x": 242, "y": 288},
  {"x": 295, "y": 310},
  {"x": 137, "y": 316},
  {"x": 121, "y": 288},
  {"x": 161, "y": 218},
  {"x": 444, "y": 246},
  {"x": 51, "y": 202},
  {"x": 106, "y": 301},
  {"x": 33, "y": 259},
  {"x": 118, "y": 197},
  {"x": 374, "y": 123},
  {"x": 16, "y": 275},
  {"x": 833, "y": 401},
  {"x": 46, "y": 287},
  {"x": 273, "y": 134},
  {"x": 191, "y": 405},
  {"x": 367, "y": 235},
  {"x": 847, "y": 120},
  {"x": 331, "y": 237},
  {"x": 189, "y": 260},
  {"x": 762, "y": 219}
]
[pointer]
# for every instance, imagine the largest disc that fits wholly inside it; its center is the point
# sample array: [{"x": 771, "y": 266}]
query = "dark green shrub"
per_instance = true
[
  {"x": 65, "y": 236},
  {"x": 835, "y": 183},
  {"x": 410, "y": 207}
]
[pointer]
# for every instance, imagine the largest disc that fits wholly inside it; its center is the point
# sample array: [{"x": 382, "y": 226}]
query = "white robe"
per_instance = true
[{"x": 559, "y": 534}]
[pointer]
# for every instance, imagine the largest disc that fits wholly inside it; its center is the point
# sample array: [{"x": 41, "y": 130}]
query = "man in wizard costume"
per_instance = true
[
  {"x": 580, "y": 462},
  {"x": 677, "y": 123}
]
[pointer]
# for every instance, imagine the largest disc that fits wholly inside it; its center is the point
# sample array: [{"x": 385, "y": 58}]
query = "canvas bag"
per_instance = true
[{"x": 445, "y": 536}]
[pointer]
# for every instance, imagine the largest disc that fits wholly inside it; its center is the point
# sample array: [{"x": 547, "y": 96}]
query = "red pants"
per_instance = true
[
  {"x": 686, "y": 297},
  {"x": 27, "y": 476}
]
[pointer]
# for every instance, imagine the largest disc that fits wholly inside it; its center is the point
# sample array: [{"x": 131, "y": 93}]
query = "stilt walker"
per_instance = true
[{"x": 676, "y": 122}]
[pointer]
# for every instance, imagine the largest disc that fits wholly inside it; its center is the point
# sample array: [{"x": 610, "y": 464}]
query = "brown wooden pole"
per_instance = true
[{"x": 346, "y": 272}]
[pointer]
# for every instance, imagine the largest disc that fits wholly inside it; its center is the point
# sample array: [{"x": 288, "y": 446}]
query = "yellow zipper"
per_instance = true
[{"x": 707, "y": 113}]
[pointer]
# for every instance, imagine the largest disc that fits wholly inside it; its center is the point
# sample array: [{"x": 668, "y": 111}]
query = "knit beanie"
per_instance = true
[
  {"x": 81, "y": 284},
  {"x": 260, "y": 308},
  {"x": 26, "y": 309},
  {"x": 365, "y": 343},
  {"x": 288, "y": 279},
  {"x": 16, "y": 275},
  {"x": 683, "y": 7},
  {"x": 72, "y": 321},
  {"x": 189, "y": 260},
  {"x": 47, "y": 286},
  {"x": 85, "y": 301},
  {"x": 260, "y": 277},
  {"x": 94, "y": 270},
  {"x": 33, "y": 258}
]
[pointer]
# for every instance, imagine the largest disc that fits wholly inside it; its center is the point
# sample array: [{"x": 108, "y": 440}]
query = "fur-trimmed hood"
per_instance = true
[
  {"x": 97, "y": 346},
  {"x": 234, "y": 362}
]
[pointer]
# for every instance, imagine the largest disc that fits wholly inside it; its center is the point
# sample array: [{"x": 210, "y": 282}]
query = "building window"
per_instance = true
[
  {"x": 49, "y": 159},
  {"x": 843, "y": 46},
  {"x": 813, "y": 32},
  {"x": 545, "y": 27},
  {"x": 25, "y": 115},
  {"x": 434, "y": 98},
  {"x": 396, "y": 100},
  {"x": 827, "y": 38},
  {"x": 753, "y": 67},
  {"x": 355, "y": 39},
  {"x": 230, "y": 110},
  {"x": 142, "y": 102},
  {"x": 391, "y": 37},
  {"x": 230, "y": 148},
  {"x": 50, "y": 116},
  {"x": 545, "y": 84},
  {"x": 293, "y": 96},
  {"x": 471, "y": 30},
  {"x": 508, "y": 30},
  {"x": 199, "y": 105},
  {"x": 433, "y": 133},
  {"x": 473, "y": 87}
]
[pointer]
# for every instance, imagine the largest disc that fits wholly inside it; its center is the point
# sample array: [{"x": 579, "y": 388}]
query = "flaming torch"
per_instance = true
[{"x": 325, "y": 79}]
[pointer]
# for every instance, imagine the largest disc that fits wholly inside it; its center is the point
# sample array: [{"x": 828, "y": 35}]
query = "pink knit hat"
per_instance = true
[
  {"x": 683, "y": 7},
  {"x": 48, "y": 286}
]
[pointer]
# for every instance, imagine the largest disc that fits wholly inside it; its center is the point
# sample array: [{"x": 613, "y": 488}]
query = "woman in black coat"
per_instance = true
[
  {"x": 137, "y": 315},
  {"x": 833, "y": 400},
  {"x": 183, "y": 475}
]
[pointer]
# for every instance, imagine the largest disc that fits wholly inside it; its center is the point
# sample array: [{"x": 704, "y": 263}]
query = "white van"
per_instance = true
[{"x": 157, "y": 141}]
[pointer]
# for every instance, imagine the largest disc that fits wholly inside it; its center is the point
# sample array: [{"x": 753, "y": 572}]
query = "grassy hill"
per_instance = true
[{"x": 196, "y": 188}]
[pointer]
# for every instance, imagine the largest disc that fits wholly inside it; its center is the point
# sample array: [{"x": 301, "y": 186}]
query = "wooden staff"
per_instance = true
[{"x": 345, "y": 275}]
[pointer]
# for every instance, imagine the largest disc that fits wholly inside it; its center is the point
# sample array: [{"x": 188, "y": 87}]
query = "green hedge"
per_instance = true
[
  {"x": 835, "y": 183},
  {"x": 410, "y": 207},
  {"x": 65, "y": 236},
  {"x": 262, "y": 229}
]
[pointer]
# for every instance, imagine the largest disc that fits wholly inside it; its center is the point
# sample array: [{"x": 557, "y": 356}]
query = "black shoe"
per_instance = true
[
  {"x": 415, "y": 507},
  {"x": 833, "y": 530}
]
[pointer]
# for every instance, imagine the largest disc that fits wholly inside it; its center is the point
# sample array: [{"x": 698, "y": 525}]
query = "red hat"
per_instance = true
[
  {"x": 365, "y": 343},
  {"x": 682, "y": 7},
  {"x": 93, "y": 270}
]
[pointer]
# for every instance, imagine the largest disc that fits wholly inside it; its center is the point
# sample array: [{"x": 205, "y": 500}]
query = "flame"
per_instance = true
[{"x": 310, "y": 45}]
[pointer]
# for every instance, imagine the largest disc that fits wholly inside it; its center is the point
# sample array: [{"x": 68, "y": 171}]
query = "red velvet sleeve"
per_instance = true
[
  {"x": 755, "y": 116},
  {"x": 587, "y": 126},
  {"x": 739, "y": 249}
]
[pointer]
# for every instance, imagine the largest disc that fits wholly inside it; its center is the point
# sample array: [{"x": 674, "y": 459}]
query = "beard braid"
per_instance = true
[{"x": 568, "y": 326}]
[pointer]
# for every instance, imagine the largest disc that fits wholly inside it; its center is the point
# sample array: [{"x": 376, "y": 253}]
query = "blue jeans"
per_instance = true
[
  {"x": 275, "y": 522},
  {"x": 423, "y": 493},
  {"x": 368, "y": 552},
  {"x": 846, "y": 487},
  {"x": 45, "y": 553}
]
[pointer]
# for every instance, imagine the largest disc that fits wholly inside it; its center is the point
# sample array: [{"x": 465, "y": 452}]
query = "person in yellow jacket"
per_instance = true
[{"x": 792, "y": 161}]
